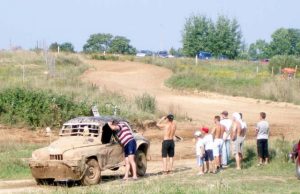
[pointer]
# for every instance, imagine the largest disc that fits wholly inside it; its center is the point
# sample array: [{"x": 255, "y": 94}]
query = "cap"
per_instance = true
[
  {"x": 197, "y": 133},
  {"x": 205, "y": 130},
  {"x": 225, "y": 113}
]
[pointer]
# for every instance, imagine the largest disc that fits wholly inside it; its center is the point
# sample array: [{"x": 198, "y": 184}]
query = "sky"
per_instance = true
[{"x": 149, "y": 24}]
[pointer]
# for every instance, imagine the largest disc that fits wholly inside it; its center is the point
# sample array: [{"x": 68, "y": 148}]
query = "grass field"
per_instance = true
[
  {"x": 29, "y": 70},
  {"x": 235, "y": 78},
  {"x": 13, "y": 164}
]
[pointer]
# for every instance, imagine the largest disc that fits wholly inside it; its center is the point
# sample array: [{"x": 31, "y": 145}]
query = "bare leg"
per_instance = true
[
  {"x": 171, "y": 164},
  {"x": 133, "y": 166},
  {"x": 207, "y": 166},
  {"x": 260, "y": 160},
  {"x": 237, "y": 160},
  {"x": 127, "y": 168},
  {"x": 267, "y": 161},
  {"x": 165, "y": 165}
]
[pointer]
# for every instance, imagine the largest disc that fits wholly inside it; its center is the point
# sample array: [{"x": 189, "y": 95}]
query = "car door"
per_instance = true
[{"x": 115, "y": 153}]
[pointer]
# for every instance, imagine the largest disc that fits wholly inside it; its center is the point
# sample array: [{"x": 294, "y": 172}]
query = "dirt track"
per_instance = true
[{"x": 132, "y": 78}]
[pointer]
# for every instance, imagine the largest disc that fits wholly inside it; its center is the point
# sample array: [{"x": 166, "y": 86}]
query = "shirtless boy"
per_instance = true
[
  {"x": 238, "y": 138},
  {"x": 168, "y": 145},
  {"x": 218, "y": 133}
]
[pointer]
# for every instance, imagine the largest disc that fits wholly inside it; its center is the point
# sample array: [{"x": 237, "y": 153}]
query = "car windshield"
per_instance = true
[{"x": 79, "y": 130}]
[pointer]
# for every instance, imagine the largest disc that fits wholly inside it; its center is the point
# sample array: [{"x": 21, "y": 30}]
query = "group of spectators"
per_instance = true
[{"x": 213, "y": 147}]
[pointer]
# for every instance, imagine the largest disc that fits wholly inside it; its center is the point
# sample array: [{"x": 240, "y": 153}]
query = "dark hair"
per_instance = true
[
  {"x": 241, "y": 114},
  {"x": 263, "y": 115},
  {"x": 170, "y": 117},
  {"x": 115, "y": 122},
  {"x": 218, "y": 118},
  {"x": 225, "y": 113}
]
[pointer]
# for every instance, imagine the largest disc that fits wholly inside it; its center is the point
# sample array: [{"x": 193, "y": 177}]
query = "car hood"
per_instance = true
[{"x": 64, "y": 144}]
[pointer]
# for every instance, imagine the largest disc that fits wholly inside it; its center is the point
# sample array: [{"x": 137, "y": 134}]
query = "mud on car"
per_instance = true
[{"x": 86, "y": 147}]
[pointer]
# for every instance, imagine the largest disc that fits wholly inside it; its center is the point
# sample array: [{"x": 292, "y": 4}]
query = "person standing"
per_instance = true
[
  {"x": 200, "y": 151},
  {"x": 262, "y": 131},
  {"x": 238, "y": 137},
  {"x": 127, "y": 140},
  {"x": 209, "y": 146},
  {"x": 218, "y": 133},
  {"x": 168, "y": 145},
  {"x": 227, "y": 123}
]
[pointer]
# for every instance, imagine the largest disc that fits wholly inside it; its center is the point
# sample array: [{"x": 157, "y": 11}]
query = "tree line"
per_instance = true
[{"x": 222, "y": 38}]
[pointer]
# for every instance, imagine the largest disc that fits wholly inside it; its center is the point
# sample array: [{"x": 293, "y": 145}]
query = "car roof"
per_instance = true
[{"x": 93, "y": 120}]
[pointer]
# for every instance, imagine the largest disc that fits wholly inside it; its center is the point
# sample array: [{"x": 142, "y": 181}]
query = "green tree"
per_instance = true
[
  {"x": 98, "y": 43},
  {"x": 285, "y": 42},
  {"x": 197, "y": 34},
  {"x": 54, "y": 47},
  {"x": 67, "y": 47},
  {"x": 226, "y": 39},
  {"x": 121, "y": 45},
  {"x": 259, "y": 50},
  {"x": 220, "y": 38}
]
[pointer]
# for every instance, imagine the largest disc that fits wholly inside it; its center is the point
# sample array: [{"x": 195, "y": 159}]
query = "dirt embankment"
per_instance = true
[{"x": 131, "y": 78}]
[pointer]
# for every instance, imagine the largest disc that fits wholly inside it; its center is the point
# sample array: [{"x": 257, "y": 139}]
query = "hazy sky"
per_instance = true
[{"x": 150, "y": 24}]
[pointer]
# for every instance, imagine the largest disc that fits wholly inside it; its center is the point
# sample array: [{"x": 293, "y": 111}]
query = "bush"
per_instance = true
[
  {"x": 146, "y": 103},
  {"x": 68, "y": 60},
  {"x": 281, "y": 61},
  {"x": 38, "y": 108},
  {"x": 105, "y": 57}
]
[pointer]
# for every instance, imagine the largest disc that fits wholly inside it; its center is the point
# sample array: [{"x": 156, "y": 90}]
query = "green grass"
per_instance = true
[
  {"x": 28, "y": 70},
  {"x": 235, "y": 78},
  {"x": 12, "y": 163}
]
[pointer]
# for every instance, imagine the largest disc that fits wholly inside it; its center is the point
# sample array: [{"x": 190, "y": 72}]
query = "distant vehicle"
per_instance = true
[
  {"x": 144, "y": 53},
  {"x": 163, "y": 54},
  {"x": 265, "y": 61},
  {"x": 204, "y": 55}
]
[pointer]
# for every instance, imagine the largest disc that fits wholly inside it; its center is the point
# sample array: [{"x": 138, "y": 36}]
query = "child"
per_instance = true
[
  {"x": 209, "y": 145},
  {"x": 200, "y": 152}
]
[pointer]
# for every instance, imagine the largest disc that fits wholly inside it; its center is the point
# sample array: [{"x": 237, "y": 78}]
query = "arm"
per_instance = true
[
  {"x": 113, "y": 127},
  {"x": 233, "y": 132},
  {"x": 159, "y": 123},
  {"x": 213, "y": 132}
]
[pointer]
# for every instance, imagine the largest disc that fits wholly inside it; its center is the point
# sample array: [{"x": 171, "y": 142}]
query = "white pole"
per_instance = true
[
  {"x": 196, "y": 58},
  {"x": 58, "y": 49}
]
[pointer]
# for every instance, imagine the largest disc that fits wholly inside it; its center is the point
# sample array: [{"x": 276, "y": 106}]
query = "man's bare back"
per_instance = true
[
  {"x": 169, "y": 131},
  {"x": 219, "y": 131}
]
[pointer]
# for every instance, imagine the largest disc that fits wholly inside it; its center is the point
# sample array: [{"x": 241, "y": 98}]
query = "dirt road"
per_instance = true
[{"x": 132, "y": 79}]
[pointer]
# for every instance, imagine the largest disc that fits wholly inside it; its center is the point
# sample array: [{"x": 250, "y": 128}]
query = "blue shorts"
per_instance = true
[
  {"x": 200, "y": 161},
  {"x": 130, "y": 148},
  {"x": 209, "y": 156}
]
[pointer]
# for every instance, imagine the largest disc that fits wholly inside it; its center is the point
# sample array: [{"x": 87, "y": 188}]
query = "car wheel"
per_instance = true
[
  {"x": 298, "y": 168},
  {"x": 92, "y": 175},
  {"x": 44, "y": 181},
  {"x": 141, "y": 163}
]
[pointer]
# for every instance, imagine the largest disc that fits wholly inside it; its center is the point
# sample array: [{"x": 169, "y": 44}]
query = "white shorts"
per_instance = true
[{"x": 218, "y": 147}]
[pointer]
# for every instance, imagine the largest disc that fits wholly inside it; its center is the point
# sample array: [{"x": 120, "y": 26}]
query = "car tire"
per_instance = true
[
  {"x": 92, "y": 174},
  {"x": 141, "y": 163},
  {"x": 44, "y": 181},
  {"x": 297, "y": 168}
]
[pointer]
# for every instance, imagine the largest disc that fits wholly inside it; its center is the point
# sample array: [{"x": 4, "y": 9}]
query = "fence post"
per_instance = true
[
  {"x": 272, "y": 71},
  {"x": 256, "y": 70},
  {"x": 295, "y": 71},
  {"x": 280, "y": 70},
  {"x": 196, "y": 58}
]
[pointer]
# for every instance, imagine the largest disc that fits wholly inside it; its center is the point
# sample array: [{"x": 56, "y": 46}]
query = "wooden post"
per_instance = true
[
  {"x": 272, "y": 71},
  {"x": 295, "y": 71},
  {"x": 196, "y": 58},
  {"x": 280, "y": 70},
  {"x": 256, "y": 70}
]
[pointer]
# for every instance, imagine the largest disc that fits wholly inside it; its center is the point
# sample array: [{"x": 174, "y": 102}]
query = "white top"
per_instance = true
[
  {"x": 227, "y": 123},
  {"x": 199, "y": 146},
  {"x": 262, "y": 128},
  {"x": 208, "y": 142}
]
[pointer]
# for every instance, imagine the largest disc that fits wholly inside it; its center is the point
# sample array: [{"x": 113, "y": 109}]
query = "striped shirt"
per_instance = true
[{"x": 125, "y": 135}]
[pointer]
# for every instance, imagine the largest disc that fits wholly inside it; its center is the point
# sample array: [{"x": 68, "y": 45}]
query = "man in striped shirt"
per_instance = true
[{"x": 127, "y": 140}]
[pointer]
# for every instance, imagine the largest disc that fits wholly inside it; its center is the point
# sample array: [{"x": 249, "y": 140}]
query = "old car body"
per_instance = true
[{"x": 86, "y": 147}]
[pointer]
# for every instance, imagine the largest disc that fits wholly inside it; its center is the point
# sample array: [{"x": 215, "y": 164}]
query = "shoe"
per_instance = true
[{"x": 259, "y": 164}]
